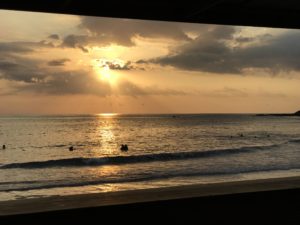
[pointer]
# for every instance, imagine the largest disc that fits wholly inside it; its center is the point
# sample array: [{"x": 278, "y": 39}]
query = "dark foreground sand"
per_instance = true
[{"x": 147, "y": 195}]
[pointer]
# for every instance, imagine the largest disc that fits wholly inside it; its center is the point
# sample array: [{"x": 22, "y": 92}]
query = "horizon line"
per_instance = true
[{"x": 107, "y": 114}]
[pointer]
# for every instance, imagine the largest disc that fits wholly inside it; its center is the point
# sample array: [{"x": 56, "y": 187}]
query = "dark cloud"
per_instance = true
[
  {"x": 76, "y": 41},
  {"x": 6, "y": 65},
  {"x": 16, "y": 64},
  {"x": 73, "y": 40},
  {"x": 260, "y": 38},
  {"x": 106, "y": 31},
  {"x": 122, "y": 31},
  {"x": 211, "y": 53},
  {"x": 117, "y": 66},
  {"x": 221, "y": 32},
  {"x": 20, "y": 69},
  {"x": 58, "y": 62},
  {"x": 54, "y": 36}
]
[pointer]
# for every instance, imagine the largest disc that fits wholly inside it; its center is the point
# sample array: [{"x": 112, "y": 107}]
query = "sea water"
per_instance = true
[{"x": 164, "y": 150}]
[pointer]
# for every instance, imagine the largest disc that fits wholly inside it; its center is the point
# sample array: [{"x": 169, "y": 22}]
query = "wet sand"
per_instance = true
[{"x": 55, "y": 203}]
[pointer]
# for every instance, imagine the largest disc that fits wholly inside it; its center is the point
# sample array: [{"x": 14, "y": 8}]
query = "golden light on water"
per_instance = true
[
  {"x": 104, "y": 171},
  {"x": 106, "y": 133}
]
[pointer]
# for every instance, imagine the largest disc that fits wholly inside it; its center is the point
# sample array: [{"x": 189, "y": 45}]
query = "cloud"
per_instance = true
[
  {"x": 38, "y": 79},
  {"x": 119, "y": 65},
  {"x": 76, "y": 41},
  {"x": 244, "y": 39},
  {"x": 227, "y": 92},
  {"x": 115, "y": 66},
  {"x": 261, "y": 92},
  {"x": 231, "y": 92},
  {"x": 16, "y": 64},
  {"x": 212, "y": 53},
  {"x": 220, "y": 32},
  {"x": 15, "y": 47},
  {"x": 122, "y": 31},
  {"x": 54, "y": 36},
  {"x": 58, "y": 62},
  {"x": 45, "y": 81},
  {"x": 23, "y": 47},
  {"x": 142, "y": 61},
  {"x": 107, "y": 31},
  {"x": 70, "y": 82},
  {"x": 27, "y": 75},
  {"x": 18, "y": 68},
  {"x": 6, "y": 65}
]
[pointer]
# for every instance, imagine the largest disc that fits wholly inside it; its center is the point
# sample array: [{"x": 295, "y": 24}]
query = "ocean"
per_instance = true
[{"x": 164, "y": 150}]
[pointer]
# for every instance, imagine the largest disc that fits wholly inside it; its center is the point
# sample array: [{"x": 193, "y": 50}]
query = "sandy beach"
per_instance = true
[{"x": 146, "y": 195}]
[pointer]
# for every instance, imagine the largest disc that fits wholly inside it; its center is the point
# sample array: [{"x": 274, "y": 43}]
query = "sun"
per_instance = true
[{"x": 105, "y": 73}]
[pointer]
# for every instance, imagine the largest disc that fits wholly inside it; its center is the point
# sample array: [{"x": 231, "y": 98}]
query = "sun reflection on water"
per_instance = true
[
  {"x": 107, "y": 114},
  {"x": 106, "y": 127}
]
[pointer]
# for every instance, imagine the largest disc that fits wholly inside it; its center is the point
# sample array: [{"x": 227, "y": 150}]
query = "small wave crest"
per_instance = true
[
  {"x": 19, "y": 186},
  {"x": 294, "y": 141},
  {"x": 118, "y": 160}
]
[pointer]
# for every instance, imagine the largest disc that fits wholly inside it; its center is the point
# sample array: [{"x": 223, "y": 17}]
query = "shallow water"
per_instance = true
[{"x": 164, "y": 150}]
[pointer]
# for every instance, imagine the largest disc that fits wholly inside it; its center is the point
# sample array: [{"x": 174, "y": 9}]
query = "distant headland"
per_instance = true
[{"x": 281, "y": 114}]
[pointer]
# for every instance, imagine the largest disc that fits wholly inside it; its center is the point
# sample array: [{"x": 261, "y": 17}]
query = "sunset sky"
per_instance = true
[{"x": 65, "y": 64}]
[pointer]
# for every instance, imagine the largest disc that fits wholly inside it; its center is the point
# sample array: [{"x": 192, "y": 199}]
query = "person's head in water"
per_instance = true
[
  {"x": 71, "y": 148},
  {"x": 3, "y": 147},
  {"x": 124, "y": 148}
]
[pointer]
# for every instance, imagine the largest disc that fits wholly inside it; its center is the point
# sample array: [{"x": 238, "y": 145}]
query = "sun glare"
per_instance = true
[
  {"x": 107, "y": 114},
  {"x": 103, "y": 71}
]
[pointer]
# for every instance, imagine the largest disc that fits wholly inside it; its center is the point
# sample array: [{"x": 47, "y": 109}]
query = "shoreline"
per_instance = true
[{"x": 56, "y": 203}]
